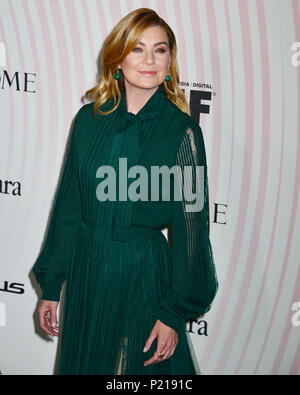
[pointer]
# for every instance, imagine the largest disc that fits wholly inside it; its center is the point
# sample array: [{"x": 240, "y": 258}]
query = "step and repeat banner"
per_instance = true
[{"x": 239, "y": 63}]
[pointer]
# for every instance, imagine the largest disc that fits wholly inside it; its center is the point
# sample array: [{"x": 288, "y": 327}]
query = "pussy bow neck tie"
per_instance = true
[{"x": 128, "y": 141}]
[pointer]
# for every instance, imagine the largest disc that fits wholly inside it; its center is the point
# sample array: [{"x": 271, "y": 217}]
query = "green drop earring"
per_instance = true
[
  {"x": 168, "y": 77},
  {"x": 117, "y": 75}
]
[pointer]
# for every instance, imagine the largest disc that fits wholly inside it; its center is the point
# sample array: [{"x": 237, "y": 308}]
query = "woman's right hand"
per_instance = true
[{"x": 48, "y": 318}]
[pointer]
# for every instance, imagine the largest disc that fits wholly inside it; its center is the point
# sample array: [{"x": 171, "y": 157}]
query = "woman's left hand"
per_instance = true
[{"x": 167, "y": 339}]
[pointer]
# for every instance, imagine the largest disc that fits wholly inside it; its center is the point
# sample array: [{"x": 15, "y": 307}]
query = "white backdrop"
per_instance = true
[{"x": 239, "y": 65}]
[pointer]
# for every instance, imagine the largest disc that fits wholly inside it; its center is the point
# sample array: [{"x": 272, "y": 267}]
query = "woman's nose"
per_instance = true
[{"x": 149, "y": 57}]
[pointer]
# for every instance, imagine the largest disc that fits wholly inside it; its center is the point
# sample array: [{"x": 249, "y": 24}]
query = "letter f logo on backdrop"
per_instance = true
[{"x": 2, "y": 54}]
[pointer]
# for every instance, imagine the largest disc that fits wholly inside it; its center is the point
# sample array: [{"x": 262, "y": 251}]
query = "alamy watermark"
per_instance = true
[{"x": 188, "y": 184}]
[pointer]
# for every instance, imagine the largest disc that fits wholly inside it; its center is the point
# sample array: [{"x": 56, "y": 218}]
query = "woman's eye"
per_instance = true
[{"x": 160, "y": 49}]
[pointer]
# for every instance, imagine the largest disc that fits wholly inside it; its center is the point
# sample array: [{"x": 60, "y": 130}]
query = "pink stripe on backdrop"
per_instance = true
[
  {"x": 161, "y": 9},
  {"x": 90, "y": 39},
  {"x": 130, "y": 5},
  {"x": 180, "y": 26},
  {"x": 22, "y": 134},
  {"x": 101, "y": 16},
  {"x": 63, "y": 60},
  {"x": 198, "y": 49},
  {"x": 78, "y": 52},
  {"x": 146, "y": 4},
  {"x": 11, "y": 119},
  {"x": 36, "y": 182},
  {"x": 296, "y": 362},
  {"x": 296, "y": 293},
  {"x": 50, "y": 96}
]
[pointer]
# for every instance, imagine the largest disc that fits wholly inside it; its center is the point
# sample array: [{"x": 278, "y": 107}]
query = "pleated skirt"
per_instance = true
[{"x": 113, "y": 290}]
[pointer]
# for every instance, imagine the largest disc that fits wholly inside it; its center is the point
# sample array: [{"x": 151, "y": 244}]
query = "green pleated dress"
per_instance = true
[{"x": 121, "y": 272}]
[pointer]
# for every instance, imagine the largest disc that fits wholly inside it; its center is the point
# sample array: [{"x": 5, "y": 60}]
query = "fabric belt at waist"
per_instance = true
[{"x": 134, "y": 232}]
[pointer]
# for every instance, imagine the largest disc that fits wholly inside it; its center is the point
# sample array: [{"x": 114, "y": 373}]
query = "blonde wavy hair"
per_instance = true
[{"x": 120, "y": 42}]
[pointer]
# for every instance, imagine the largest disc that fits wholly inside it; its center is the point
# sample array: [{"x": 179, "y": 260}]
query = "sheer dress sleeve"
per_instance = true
[
  {"x": 194, "y": 281},
  {"x": 52, "y": 263}
]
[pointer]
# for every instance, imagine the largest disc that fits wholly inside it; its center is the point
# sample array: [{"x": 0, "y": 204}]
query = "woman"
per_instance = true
[{"x": 128, "y": 294}]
